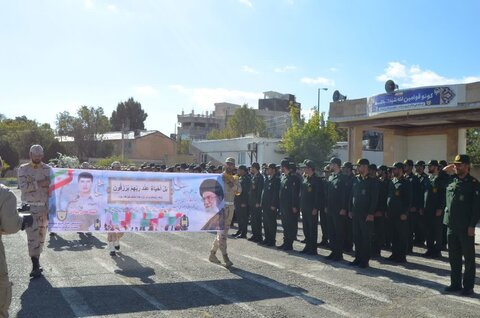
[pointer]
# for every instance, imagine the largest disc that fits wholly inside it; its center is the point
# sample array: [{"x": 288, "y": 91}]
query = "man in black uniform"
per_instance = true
[
  {"x": 289, "y": 205},
  {"x": 337, "y": 202},
  {"x": 434, "y": 207},
  {"x": 399, "y": 202},
  {"x": 462, "y": 212},
  {"x": 379, "y": 222},
  {"x": 255, "y": 203},
  {"x": 347, "y": 168},
  {"x": 323, "y": 212},
  {"x": 416, "y": 207},
  {"x": 270, "y": 204},
  {"x": 424, "y": 184},
  {"x": 241, "y": 202},
  {"x": 311, "y": 202},
  {"x": 363, "y": 204}
]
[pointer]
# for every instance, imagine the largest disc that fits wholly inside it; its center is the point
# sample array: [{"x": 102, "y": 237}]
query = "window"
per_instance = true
[
  {"x": 372, "y": 141},
  {"x": 241, "y": 158}
]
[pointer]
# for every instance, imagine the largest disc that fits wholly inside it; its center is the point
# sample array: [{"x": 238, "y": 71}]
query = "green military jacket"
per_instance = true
[
  {"x": 311, "y": 194},
  {"x": 399, "y": 197},
  {"x": 462, "y": 203},
  {"x": 364, "y": 196},
  {"x": 337, "y": 196},
  {"x": 435, "y": 194},
  {"x": 289, "y": 193},
  {"x": 270, "y": 193},
  {"x": 256, "y": 189}
]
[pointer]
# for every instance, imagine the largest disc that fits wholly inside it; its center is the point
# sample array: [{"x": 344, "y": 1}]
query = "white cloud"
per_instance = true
[
  {"x": 415, "y": 76},
  {"x": 146, "y": 90},
  {"x": 285, "y": 69},
  {"x": 333, "y": 69},
  {"x": 249, "y": 69},
  {"x": 112, "y": 8},
  {"x": 88, "y": 4},
  {"x": 206, "y": 97},
  {"x": 248, "y": 3},
  {"x": 318, "y": 81}
]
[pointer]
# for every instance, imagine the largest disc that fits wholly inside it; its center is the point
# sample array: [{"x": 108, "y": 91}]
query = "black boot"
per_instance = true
[{"x": 36, "y": 269}]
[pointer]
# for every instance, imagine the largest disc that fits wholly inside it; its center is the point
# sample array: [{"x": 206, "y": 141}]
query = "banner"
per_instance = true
[
  {"x": 132, "y": 201},
  {"x": 419, "y": 98}
]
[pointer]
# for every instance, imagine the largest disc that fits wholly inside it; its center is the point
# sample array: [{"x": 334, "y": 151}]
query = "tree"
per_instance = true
[
  {"x": 244, "y": 121},
  {"x": 473, "y": 144},
  {"x": 129, "y": 115},
  {"x": 308, "y": 140},
  {"x": 87, "y": 129},
  {"x": 8, "y": 153}
]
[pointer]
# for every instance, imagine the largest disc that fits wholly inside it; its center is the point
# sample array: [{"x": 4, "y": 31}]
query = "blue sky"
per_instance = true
[{"x": 188, "y": 54}]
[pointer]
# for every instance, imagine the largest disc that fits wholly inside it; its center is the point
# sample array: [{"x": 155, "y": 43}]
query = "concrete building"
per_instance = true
[
  {"x": 419, "y": 123},
  {"x": 245, "y": 150}
]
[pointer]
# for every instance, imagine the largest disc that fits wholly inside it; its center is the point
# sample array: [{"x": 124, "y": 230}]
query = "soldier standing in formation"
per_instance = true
[
  {"x": 256, "y": 204},
  {"x": 337, "y": 202},
  {"x": 363, "y": 205},
  {"x": 415, "y": 207},
  {"x": 462, "y": 212},
  {"x": 241, "y": 202},
  {"x": 270, "y": 205},
  {"x": 34, "y": 181},
  {"x": 232, "y": 189},
  {"x": 289, "y": 205},
  {"x": 379, "y": 222}
]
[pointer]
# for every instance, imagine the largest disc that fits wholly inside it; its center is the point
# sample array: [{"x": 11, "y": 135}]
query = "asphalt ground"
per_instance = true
[{"x": 169, "y": 275}]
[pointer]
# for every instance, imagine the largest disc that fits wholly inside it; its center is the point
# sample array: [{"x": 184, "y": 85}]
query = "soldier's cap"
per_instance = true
[
  {"x": 242, "y": 167},
  {"x": 264, "y": 165},
  {"x": 163, "y": 167},
  {"x": 372, "y": 166},
  {"x": 36, "y": 150},
  {"x": 256, "y": 165},
  {"x": 420, "y": 163},
  {"x": 230, "y": 160},
  {"x": 462, "y": 159},
  {"x": 170, "y": 169},
  {"x": 347, "y": 164},
  {"x": 443, "y": 163},
  {"x": 272, "y": 166},
  {"x": 292, "y": 166},
  {"x": 212, "y": 167},
  {"x": 183, "y": 166},
  {"x": 398, "y": 165},
  {"x": 284, "y": 163},
  {"x": 383, "y": 168},
  {"x": 192, "y": 166},
  {"x": 307, "y": 163},
  {"x": 203, "y": 165},
  {"x": 336, "y": 161},
  {"x": 433, "y": 163},
  {"x": 115, "y": 164},
  {"x": 220, "y": 168},
  {"x": 408, "y": 162},
  {"x": 85, "y": 165},
  {"x": 152, "y": 165},
  {"x": 362, "y": 162},
  {"x": 326, "y": 168},
  {"x": 211, "y": 185}
]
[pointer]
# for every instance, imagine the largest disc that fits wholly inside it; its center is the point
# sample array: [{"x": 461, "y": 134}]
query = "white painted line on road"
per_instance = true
[
  {"x": 210, "y": 289},
  {"x": 155, "y": 303},
  {"x": 263, "y": 261},
  {"x": 361, "y": 292}
]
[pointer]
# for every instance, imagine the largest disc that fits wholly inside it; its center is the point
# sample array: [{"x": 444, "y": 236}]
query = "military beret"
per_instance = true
[
  {"x": 211, "y": 185},
  {"x": 408, "y": 162}
]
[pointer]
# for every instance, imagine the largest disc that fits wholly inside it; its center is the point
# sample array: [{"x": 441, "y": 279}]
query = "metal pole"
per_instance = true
[{"x": 318, "y": 102}]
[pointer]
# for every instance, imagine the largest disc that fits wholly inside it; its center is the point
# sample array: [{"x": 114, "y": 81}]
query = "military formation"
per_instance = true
[{"x": 357, "y": 207}]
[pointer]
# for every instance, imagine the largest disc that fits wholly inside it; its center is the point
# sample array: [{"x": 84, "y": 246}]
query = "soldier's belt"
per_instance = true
[{"x": 36, "y": 204}]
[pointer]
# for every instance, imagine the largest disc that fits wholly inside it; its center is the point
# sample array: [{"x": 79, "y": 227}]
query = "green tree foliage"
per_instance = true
[
  {"x": 473, "y": 144},
  {"x": 87, "y": 128},
  {"x": 183, "y": 146},
  {"x": 308, "y": 139},
  {"x": 244, "y": 121},
  {"x": 17, "y": 135},
  {"x": 128, "y": 115}
]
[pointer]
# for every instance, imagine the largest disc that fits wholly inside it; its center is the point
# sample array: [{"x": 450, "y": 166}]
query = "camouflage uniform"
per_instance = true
[
  {"x": 220, "y": 241},
  {"x": 29, "y": 176},
  {"x": 83, "y": 211},
  {"x": 10, "y": 222}
]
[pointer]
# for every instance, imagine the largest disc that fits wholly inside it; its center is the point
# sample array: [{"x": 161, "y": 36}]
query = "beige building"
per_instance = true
[{"x": 420, "y": 123}]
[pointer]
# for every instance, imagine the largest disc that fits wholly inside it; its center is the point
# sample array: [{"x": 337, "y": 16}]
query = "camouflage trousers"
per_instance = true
[
  {"x": 220, "y": 241},
  {"x": 114, "y": 236},
  {"x": 37, "y": 232},
  {"x": 5, "y": 284}
]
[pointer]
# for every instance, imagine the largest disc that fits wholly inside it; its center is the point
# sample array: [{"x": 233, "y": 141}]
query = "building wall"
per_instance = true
[{"x": 426, "y": 147}]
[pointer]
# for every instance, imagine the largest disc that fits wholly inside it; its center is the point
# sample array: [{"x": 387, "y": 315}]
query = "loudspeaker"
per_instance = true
[
  {"x": 338, "y": 97},
  {"x": 390, "y": 86}
]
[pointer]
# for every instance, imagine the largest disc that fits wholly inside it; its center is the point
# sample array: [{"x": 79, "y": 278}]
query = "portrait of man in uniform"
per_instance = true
[
  {"x": 212, "y": 195},
  {"x": 82, "y": 210}
]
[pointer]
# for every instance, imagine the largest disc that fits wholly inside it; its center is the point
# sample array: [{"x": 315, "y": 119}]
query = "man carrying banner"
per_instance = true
[
  {"x": 34, "y": 181},
  {"x": 232, "y": 188}
]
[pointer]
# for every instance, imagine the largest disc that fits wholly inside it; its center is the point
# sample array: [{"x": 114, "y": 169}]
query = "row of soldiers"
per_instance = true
[{"x": 366, "y": 206}]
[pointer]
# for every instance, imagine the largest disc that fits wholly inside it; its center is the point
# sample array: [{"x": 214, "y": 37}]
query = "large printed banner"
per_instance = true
[
  {"x": 419, "y": 98},
  {"x": 128, "y": 201}
]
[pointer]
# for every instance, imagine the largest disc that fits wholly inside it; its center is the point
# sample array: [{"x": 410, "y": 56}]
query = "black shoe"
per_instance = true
[
  {"x": 401, "y": 260},
  {"x": 323, "y": 243},
  {"x": 36, "y": 272},
  {"x": 436, "y": 254},
  {"x": 363, "y": 265},
  {"x": 252, "y": 239},
  {"x": 263, "y": 242},
  {"x": 241, "y": 236},
  {"x": 237, "y": 233},
  {"x": 453, "y": 288},
  {"x": 312, "y": 252},
  {"x": 112, "y": 253},
  {"x": 428, "y": 254},
  {"x": 391, "y": 258},
  {"x": 467, "y": 292},
  {"x": 338, "y": 258},
  {"x": 331, "y": 256},
  {"x": 355, "y": 262},
  {"x": 288, "y": 247},
  {"x": 280, "y": 247},
  {"x": 303, "y": 241},
  {"x": 52, "y": 234},
  {"x": 270, "y": 244}
]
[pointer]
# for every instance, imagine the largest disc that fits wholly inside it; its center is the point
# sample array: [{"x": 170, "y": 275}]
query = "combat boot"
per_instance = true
[
  {"x": 112, "y": 249},
  {"x": 213, "y": 258},
  {"x": 36, "y": 269},
  {"x": 228, "y": 263}
]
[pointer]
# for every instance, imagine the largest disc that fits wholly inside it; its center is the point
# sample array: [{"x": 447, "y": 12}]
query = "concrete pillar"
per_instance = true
[
  {"x": 452, "y": 143},
  {"x": 355, "y": 143},
  {"x": 388, "y": 147},
  {"x": 462, "y": 140}
]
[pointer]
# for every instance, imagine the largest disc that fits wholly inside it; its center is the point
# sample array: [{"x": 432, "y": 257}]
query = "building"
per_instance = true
[
  {"x": 419, "y": 123},
  {"x": 274, "y": 101},
  {"x": 136, "y": 146},
  {"x": 245, "y": 150}
]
